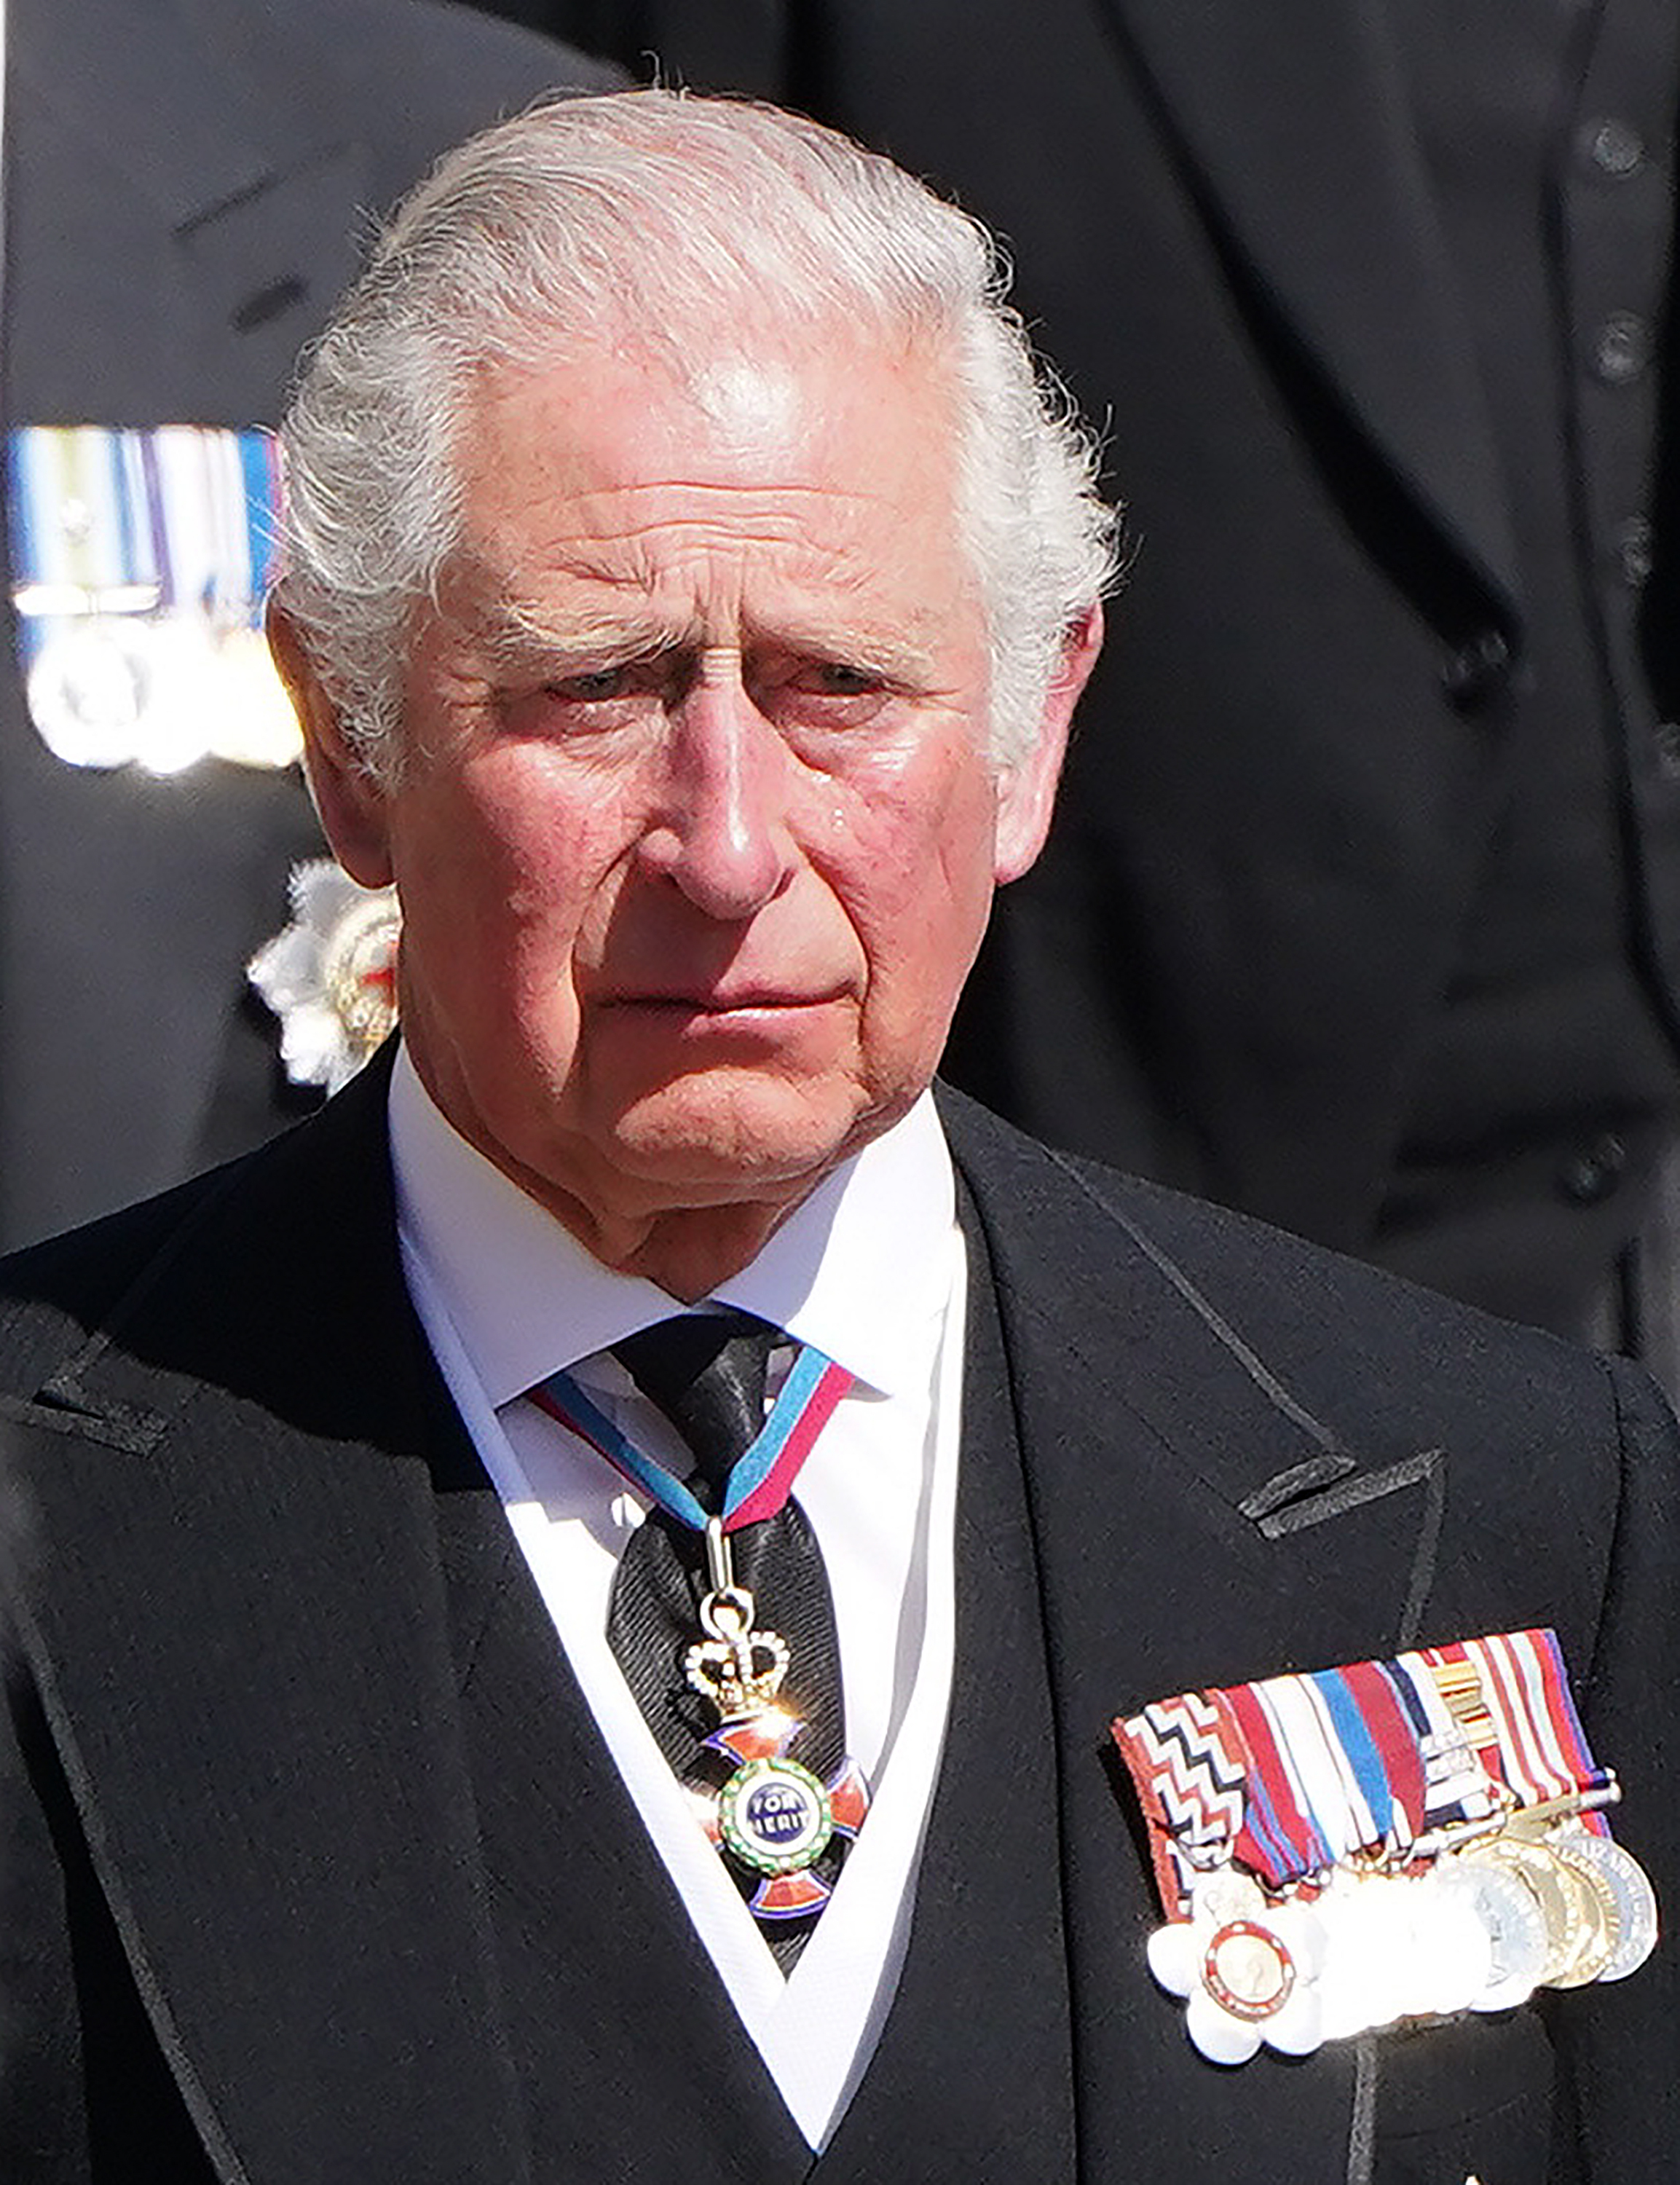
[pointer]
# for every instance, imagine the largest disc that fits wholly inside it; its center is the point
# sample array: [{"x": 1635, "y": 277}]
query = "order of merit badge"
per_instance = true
[
  {"x": 771, "y": 1816},
  {"x": 1343, "y": 1849}
]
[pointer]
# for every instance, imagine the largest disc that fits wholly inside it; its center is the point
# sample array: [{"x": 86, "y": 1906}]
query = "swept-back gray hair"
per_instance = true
[{"x": 601, "y": 220}]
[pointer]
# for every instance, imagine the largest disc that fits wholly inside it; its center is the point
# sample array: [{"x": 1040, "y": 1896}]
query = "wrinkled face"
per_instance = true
[{"x": 698, "y": 834}]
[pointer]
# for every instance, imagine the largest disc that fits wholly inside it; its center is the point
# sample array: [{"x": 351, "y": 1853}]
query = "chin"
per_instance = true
[{"x": 739, "y": 1139}]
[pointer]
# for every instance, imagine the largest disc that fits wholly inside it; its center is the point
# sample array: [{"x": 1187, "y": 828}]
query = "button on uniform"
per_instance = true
[
  {"x": 1614, "y": 148},
  {"x": 1589, "y": 1175},
  {"x": 1475, "y": 673},
  {"x": 1621, "y": 349}
]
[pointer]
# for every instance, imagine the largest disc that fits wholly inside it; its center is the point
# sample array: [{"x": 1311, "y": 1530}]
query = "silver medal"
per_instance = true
[{"x": 1637, "y": 1923}]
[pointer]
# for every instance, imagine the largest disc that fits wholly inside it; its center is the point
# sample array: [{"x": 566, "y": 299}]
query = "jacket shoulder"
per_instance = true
[
  {"x": 55, "y": 1293},
  {"x": 1071, "y": 1237}
]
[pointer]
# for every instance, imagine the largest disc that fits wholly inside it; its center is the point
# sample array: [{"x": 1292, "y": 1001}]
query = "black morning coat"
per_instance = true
[
  {"x": 188, "y": 184},
  {"x": 313, "y": 1867}
]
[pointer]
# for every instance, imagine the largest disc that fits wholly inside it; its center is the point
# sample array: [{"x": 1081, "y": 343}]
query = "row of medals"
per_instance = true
[{"x": 1539, "y": 1901}]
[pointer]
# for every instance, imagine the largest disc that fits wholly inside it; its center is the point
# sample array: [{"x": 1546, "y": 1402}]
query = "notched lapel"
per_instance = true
[
  {"x": 1215, "y": 1499},
  {"x": 1177, "y": 1424},
  {"x": 267, "y": 260},
  {"x": 1144, "y": 1432},
  {"x": 1330, "y": 1486},
  {"x": 244, "y": 186},
  {"x": 268, "y": 1772},
  {"x": 60, "y": 1407},
  {"x": 255, "y": 1699}
]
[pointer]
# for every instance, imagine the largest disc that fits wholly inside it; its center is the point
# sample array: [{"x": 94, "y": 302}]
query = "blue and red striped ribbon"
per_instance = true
[{"x": 760, "y": 1481}]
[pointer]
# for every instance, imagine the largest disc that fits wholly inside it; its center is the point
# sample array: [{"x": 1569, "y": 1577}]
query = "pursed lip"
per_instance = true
[{"x": 748, "y": 1000}]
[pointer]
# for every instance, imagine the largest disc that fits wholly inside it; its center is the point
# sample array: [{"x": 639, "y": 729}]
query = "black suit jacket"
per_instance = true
[
  {"x": 188, "y": 184},
  {"x": 312, "y": 1863},
  {"x": 1291, "y": 769}
]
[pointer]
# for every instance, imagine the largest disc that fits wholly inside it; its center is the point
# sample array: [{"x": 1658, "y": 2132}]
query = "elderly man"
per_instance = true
[{"x": 562, "y": 1621}]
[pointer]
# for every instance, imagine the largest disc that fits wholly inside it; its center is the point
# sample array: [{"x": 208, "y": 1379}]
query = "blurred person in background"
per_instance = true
[{"x": 187, "y": 184}]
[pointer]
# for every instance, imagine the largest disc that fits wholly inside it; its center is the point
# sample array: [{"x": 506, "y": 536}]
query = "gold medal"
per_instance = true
[
  {"x": 1603, "y": 1919},
  {"x": 1565, "y": 1907},
  {"x": 1636, "y": 1906}
]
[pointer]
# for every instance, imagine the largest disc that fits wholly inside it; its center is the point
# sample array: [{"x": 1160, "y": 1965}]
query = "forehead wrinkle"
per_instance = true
[
  {"x": 791, "y": 538},
  {"x": 772, "y": 513},
  {"x": 654, "y": 587},
  {"x": 660, "y": 561},
  {"x": 723, "y": 492}
]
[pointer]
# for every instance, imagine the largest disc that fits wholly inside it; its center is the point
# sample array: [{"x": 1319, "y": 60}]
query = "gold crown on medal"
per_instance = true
[{"x": 739, "y": 1672}]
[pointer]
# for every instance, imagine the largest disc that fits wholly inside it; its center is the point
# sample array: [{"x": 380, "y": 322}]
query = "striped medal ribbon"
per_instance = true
[
  {"x": 140, "y": 560},
  {"x": 772, "y": 1814},
  {"x": 760, "y": 1479},
  {"x": 1338, "y": 1849}
]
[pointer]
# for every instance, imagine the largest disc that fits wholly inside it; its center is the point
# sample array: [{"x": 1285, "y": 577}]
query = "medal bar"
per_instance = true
[
  {"x": 140, "y": 558},
  {"x": 1343, "y": 1850}
]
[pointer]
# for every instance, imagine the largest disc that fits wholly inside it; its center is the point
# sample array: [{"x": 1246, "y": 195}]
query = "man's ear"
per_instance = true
[
  {"x": 351, "y": 803},
  {"x": 1026, "y": 790}
]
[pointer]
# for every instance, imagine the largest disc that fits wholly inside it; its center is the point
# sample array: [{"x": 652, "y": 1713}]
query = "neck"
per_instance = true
[
  {"x": 686, "y": 1251},
  {"x": 688, "y": 1254}
]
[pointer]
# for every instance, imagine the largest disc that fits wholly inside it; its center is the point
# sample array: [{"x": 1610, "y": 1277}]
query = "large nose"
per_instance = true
[{"x": 720, "y": 831}]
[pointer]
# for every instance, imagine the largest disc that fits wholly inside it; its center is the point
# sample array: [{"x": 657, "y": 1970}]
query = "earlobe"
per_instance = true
[
  {"x": 350, "y": 803},
  {"x": 1026, "y": 791}
]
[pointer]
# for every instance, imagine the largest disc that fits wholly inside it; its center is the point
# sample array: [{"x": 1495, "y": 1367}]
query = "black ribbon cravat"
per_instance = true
[{"x": 707, "y": 1373}]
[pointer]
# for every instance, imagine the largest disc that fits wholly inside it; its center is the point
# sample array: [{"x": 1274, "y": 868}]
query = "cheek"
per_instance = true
[
  {"x": 920, "y": 873},
  {"x": 508, "y": 880}
]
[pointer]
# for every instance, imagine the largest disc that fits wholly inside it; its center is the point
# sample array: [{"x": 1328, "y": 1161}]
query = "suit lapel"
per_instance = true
[
  {"x": 1184, "y": 1525},
  {"x": 1295, "y": 126},
  {"x": 1166, "y": 1489},
  {"x": 318, "y": 1836}
]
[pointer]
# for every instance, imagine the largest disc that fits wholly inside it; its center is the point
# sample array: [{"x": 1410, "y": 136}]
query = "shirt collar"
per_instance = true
[{"x": 858, "y": 1269}]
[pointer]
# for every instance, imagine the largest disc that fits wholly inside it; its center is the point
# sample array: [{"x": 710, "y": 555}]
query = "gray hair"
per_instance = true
[{"x": 588, "y": 220}]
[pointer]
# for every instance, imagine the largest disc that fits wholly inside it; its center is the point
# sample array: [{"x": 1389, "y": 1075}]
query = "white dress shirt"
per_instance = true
[{"x": 870, "y": 1270}]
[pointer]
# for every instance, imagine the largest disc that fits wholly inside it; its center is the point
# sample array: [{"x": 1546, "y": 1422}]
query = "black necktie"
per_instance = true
[{"x": 707, "y": 1373}]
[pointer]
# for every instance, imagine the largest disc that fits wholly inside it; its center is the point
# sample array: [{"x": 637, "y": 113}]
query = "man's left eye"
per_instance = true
[
  {"x": 828, "y": 694},
  {"x": 597, "y": 682}
]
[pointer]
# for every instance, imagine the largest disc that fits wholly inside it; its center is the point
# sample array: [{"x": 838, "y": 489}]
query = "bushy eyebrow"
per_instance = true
[
  {"x": 518, "y": 639},
  {"x": 515, "y": 638},
  {"x": 609, "y": 620}
]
